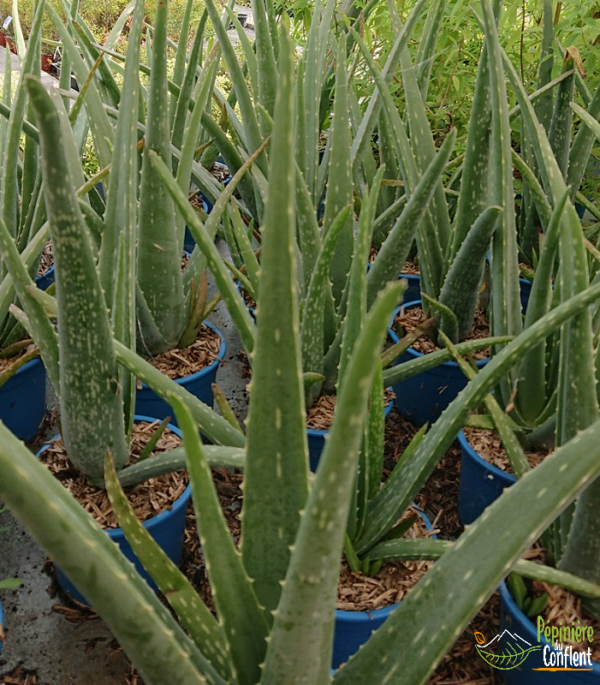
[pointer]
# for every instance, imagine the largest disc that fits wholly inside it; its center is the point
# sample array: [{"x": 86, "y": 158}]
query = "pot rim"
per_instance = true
[
  {"x": 412, "y": 352},
  {"x": 153, "y": 521},
  {"x": 473, "y": 454}
]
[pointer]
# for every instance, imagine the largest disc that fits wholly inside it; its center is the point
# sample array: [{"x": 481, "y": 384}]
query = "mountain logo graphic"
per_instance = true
[{"x": 516, "y": 650}]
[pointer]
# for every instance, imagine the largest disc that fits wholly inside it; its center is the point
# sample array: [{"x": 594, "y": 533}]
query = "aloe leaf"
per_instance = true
[
  {"x": 305, "y": 614},
  {"x": 205, "y": 241},
  {"x": 125, "y": 602},
  {"x": 313, "y": 318},
  {"x": 427, "y": 46},
  {"x": 269, "y": 527},
  {"x": 376, "y": 434},
  {"x": 422, "y": 139},
  {"x": 91, "y": 404},
  {"x": 362, "y": 138},
  {"x": 119, "y": 25},
  {"x": 403, "y": 486},
  {"x": 187, "y": 86},
  {"x": 505, "y": 305},
  {"x": 175, "y": 460},
  {"x": 461, "y": 285},
  {"x": 42, "y": 330},
  {"x": 191, "y": 133},
  {"x": 400, "y": 372},
  {"x": 577, "y": 402},
  {"x": 181, "y": 54},
  {"x": 100, "y": 126},
  {"x": 10, "y": 185},
  {"x": 543, "y": 106},
  {"x": 159, "y": 256},
  {"x": 252, "y": 135},
  {"x": 246, "y": 251},
  {"x": 552, "y": 485},
  {"x": 532, "y": 396},
  {"x": 108, "y": 80},
  {"x": 356, "y": 307},
  {"x": 120, "y": 216},
  {"x": 195, "y": 618},
  {"x": 559, "y": 134},
  {"x": 582, "y": 146},
  {"x": 265, "y": 57},
  {"x": 394, "y": 251},
  {"x": 339, "y": 188},
  {"x": 474, "y": 184},
  {"x": 242, "y": 619}
]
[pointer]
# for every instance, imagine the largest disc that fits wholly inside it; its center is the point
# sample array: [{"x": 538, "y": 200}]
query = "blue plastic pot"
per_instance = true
[
  {"x": 188, "y": 242},
  {"x": 353, "y": 628},
  {"x": 148, "y": 403},
  {"x": 515, "y": 621},
  {"x": 424, "y": 397},
  {"x": 481, "y": 483},
  {"x": 413, "y": 292},
  {"x": 45, "y": 280},
  {"x": 316, "y": 441},
  {"x": 23, "y": 400},
  {"x": 167, "y": 528},
  {"x": 525, "y": 292}
]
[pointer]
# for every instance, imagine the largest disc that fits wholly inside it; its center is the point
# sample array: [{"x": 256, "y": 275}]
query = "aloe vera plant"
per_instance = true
[{"x": 275, "y": 598}]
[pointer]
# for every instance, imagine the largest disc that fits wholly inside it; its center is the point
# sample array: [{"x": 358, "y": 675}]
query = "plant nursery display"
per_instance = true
[{"x": 333, "y": 172}]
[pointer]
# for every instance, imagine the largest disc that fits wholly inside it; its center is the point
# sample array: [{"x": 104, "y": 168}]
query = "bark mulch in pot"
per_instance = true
[
  {"x": 357, "y": 592},
  {"x": 488, "y": 445},
  {"x": 148, "y": 499},
  {"x": 409, "y": 319},
  {"x": 320, "y": 415},
  {"x": 46, "y": 259},
  {"x": 182, "y": 363}
]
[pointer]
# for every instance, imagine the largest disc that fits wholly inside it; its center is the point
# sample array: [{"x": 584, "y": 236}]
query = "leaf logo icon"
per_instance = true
[{"x": 516, "y": 650}]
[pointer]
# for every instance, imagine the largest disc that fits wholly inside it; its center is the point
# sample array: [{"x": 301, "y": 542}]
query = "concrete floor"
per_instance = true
[{"x": 37, "y": 636}]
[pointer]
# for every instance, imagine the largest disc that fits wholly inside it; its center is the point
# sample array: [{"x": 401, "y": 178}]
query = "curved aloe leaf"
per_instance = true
[
  {"x": 401, "y": 488},
  {"x": 491, "y": 545},
  {"x": 147, "y": 632},
  {"x": 305, "y": 614},
  {"x": 200, "y": 624},
  {"x": 241, "y": 617}
]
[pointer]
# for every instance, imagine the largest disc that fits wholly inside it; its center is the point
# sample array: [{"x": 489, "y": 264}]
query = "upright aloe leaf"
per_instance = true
[
  {"x": 339, "y": 187},
  {"x": 460, "y": 291},
  {"x": 90, "y": 397},
  {"x": 543, "y": 106},
  {"x": 159, "y": 256},
  {"x": 276, "y": 438},
  {"x": 506, "y": 304},
  {"x": 562, "y": 118},
  {"x": 10, "y": 186},
  {"x": 305, "y": 614},
  {"x": 265, "y": 56},
  {"x": 426, "y": 51}
]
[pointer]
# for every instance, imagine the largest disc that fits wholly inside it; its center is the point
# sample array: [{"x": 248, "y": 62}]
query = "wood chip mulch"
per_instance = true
[
  {"x": 439, "y": 496},
  {"x": 487, "y": 444},
  {"x": 46, "y": 260},
  {"x": 148, "y": 499},
  {"x": 182, "y": 363},
  {"x": 357, "y": 592},
  {"x": 408, "y": 320},
  {"x": 20, "y": 676},
  {"x": 229, "y": 491},
  {"x": 320, "y": 415},
  {"x": 7, "y": 362},
  {"x": 220, "y": 172}
]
